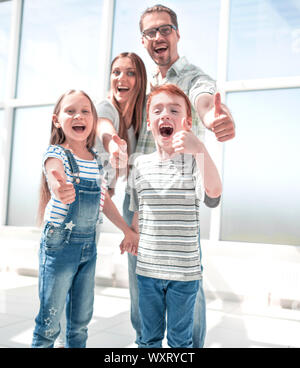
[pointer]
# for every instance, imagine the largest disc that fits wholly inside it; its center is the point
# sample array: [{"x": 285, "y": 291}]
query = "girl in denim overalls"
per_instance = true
[{"x": 68, "y": 248}]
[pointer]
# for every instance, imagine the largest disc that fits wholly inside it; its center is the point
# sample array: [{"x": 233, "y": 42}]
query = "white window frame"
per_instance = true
[
  {"x": 10, "y": 103},
  {"x": 225, "y": 87}
]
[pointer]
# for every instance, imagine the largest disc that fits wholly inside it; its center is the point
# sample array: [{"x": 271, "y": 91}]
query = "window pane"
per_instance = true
[
  {"x": 5, "y": 16},
  {"x": 264, "y": 39},
  {"x": 2, "y": 135},
  {"x": 261, "y": 201},
  {"x": 195, "y": 18},
  {"x": 60, "y": 47},
  {"x": 31, "y": 138}
]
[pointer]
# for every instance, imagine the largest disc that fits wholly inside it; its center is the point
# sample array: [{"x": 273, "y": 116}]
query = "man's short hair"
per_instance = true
[{"x": 158, "y": 9}]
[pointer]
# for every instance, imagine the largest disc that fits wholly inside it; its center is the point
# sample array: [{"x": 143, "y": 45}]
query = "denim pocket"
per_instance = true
[
  {"x": 56, "y": 238},
  {"x": 88, "y": 205}
]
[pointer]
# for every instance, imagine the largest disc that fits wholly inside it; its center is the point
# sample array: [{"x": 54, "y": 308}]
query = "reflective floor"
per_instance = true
[{"x": 229, "y": 324}]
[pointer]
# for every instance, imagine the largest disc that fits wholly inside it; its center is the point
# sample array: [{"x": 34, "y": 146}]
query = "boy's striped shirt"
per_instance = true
[{"x": 167, "y": 195}]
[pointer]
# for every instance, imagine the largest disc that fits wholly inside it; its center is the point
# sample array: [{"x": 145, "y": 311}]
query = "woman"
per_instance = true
[
  {"x": 125, "y": 104},
  {"x": 124, "y": 109}
]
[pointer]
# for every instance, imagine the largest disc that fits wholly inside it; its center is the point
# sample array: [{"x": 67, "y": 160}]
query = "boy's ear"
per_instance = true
[{"x": 187, "y": 123}]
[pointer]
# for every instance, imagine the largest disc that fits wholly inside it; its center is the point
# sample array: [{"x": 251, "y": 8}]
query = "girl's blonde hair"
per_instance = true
[
  {"x": 135, "y": 104},
  {"x": 58, "y": 137}
]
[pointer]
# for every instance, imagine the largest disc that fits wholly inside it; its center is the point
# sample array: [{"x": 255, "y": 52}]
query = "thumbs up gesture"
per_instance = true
[
  {"x": 219, "y": 120},
  {"x": 62, "y": 190},
  {"x": 118, "y": 152},
  {"x": 185, "y": 141}
]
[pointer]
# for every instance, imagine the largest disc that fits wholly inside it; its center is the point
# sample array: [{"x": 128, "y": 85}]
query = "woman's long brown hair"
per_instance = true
[
  {"x": 135, "y": 104},
  {"x": 58, "y": 137}
]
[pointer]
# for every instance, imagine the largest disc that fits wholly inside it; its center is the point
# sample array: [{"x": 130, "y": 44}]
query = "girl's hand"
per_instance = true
[
  {"x": 130, "y": 243},
  {"x": 62, "y": 190},
  {"x": 128, "y": 247}
]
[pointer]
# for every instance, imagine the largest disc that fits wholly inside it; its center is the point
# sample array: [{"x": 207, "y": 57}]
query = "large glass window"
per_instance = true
[
  {"x": 264, "y": 39},
  {"x": 60, "y": 47},
  {"x": 261, "y": 201},
  {"x": 5, "y": 18},
  {"x": 198, "y": 22},
  {"x": 31, "y": 137}
]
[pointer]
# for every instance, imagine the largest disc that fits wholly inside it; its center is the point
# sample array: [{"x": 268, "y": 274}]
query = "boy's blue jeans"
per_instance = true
[
  {"x": 158, "y": 298},
  {"x": 199, "y": 328}
]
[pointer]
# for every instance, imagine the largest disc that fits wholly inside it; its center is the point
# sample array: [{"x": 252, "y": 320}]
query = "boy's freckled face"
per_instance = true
[{"x": 166, "y": 113}]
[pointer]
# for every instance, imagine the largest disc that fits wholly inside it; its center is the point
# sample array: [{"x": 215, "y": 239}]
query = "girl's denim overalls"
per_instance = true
[{"x": 67, "y": 266}]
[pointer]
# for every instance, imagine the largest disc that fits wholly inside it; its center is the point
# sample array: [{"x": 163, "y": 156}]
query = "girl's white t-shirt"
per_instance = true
[
  {"x": 105, "y": 109},
  {"x": 56, "y": 211}
]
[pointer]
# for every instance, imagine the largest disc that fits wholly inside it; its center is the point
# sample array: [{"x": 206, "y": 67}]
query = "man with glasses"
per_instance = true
[{"x": 160, "y": 36}]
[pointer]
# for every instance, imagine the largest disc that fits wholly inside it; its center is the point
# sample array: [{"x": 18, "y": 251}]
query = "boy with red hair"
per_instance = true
[{"x": 167, "y": 186}]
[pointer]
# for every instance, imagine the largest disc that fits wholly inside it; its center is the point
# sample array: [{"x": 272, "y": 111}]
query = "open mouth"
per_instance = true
[
  {"x": 166, "y": 131},
  {"x": 122, "y": 89},
  {"x": 79, "y": 128},
  {"x": 160, "y": 49}
]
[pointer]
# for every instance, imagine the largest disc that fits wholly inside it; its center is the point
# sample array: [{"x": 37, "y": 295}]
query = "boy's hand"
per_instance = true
[
  {"x": 185, "y": 140},
  {"x": 127, "y": 247},
  {"x": 219, "y": 120},
  {"x": 130, "y": 243},
  {"x": 118, "y": 152},
  {"x": 63, "y": 191}
]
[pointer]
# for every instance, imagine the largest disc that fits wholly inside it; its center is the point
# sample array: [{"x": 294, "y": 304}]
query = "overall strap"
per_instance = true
[
  {"x": 99, "y": 162},
  {"x": 72, "y": 162}
]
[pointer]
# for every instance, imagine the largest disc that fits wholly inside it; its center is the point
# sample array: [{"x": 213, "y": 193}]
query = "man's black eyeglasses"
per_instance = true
[{"x": 164, "y": 30}]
